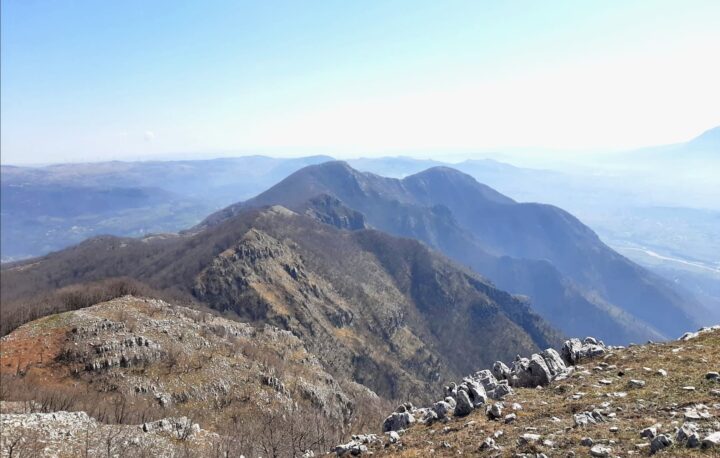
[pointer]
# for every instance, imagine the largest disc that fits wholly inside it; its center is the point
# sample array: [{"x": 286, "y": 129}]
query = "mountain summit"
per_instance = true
[{"x": 574, "y": 279}]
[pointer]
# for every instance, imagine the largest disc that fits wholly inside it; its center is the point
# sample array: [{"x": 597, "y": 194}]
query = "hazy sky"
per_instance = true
[{"x": 123, "y": 79}]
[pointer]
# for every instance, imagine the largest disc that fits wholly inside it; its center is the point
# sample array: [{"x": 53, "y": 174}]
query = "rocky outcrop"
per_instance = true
[
  {"x": 574, "y": 350},
  {"x": 77, "y": 434},
  {"x": 693, "y": 335},
  {"x": 475, "y": 391}
]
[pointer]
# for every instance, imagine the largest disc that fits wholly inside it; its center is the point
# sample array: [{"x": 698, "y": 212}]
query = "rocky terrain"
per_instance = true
[
  {"x": 586, "y": 400},
  {"x": 68, "y": 434},
  {"x": 385, "y": 312},
  {"x": 537, "y": 250},
  {"x": 172, "y": 371}
]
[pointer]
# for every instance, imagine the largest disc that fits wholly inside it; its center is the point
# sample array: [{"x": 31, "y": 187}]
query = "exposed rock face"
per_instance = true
[
  {"x": 330, "y": 210},
  {"x": 381, "y": 311}
]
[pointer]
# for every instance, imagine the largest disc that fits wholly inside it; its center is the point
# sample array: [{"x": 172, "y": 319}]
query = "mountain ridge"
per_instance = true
[{"x": 481, "y": 225}]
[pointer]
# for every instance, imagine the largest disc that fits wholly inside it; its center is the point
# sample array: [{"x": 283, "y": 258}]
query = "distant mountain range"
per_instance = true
[{"x": 531, "y": 249}]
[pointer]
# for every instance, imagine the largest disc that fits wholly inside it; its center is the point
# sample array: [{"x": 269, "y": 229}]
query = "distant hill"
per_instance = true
[
  {"x": 532, "y": 249},
  {"x": 49, "y": 208}
]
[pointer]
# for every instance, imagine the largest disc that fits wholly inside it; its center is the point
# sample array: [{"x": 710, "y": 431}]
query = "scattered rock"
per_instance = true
[
  {"x": 587, "y": 418},
  {"x": 712, "y": 376},
  {"x": 687, "y": 433},
  {"x": 660, "y": 442},
  {"x": 495, "y": 411},
  {"x": 511, "y": 417},
  {"x": 649, "y": 432},
  {"x": 587, "y": 442},
  {"x": 393, "y": 437},
  {"x": 600, "y": 451},
  {"x": 711, "y": 440},
  {"x": 489, "y": 444},
  {"x": 634, "y": 383},
  {"x": 529, "y": 438}
]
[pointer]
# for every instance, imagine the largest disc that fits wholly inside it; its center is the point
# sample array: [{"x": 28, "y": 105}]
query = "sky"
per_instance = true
[{"x": 89, "y": 80}]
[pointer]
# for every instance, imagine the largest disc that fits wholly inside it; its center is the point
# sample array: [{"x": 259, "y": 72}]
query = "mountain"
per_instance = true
[
  {"x": 49, "y": 208},
  {"x": 528, "y": 248},
  {"x": 385, "y": 312}
]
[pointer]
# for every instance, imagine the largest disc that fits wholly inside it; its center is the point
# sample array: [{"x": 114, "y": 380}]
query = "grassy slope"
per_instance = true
[{"x": 661, "y": 400}]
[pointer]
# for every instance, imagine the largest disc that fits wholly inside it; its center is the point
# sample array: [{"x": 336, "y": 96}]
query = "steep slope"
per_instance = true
[
  {"x": 480, "y": 227},
  {"x": 385, "y": 312}
]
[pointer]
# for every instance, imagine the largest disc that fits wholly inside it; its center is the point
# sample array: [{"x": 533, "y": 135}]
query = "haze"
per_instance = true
[{"x": 87, "y": 81}]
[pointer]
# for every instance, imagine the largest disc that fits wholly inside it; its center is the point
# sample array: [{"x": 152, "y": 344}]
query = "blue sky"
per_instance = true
[{"x": 111, "y": 80}]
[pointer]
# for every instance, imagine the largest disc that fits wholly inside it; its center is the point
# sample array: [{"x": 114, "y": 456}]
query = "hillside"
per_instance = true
[
  {"x": 532, "y": 249},
  {"x": 653, "y": 399},
  {"x": 385, "y": 312},
  {"x": 137, "y": 361}
]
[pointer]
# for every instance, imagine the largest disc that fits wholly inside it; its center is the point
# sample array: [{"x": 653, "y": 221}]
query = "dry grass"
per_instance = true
[{"x": 661, "y": 400}]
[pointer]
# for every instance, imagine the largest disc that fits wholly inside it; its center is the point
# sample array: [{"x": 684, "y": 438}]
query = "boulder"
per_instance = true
[
  {"x": 501, "y": 390},
  {"x": 530, "y": 372},
  {"x": 397, "y": 421},
  {"x": 486, "y": 379},
  {"x": 464, "y": 406},
  {"x": 554, "y": 362},
  {"x": 442, "y": 409},
  {"x": 711, "y": 440},
  {"x": 660, "y": 442},
  {"x": 476, "y": 392},
  {"x": 649, "y": 432},
  {"x": 500, "y": 370},
  {"x": 688, "y": 434},
  {"x": 495, "y": 411},
  {"x": 573, "y": 350}
]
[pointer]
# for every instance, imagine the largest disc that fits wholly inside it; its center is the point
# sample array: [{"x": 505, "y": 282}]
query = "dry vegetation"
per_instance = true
[
  {"x": 257, "y": 390},
  {"x": 549, "y": 411}
]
